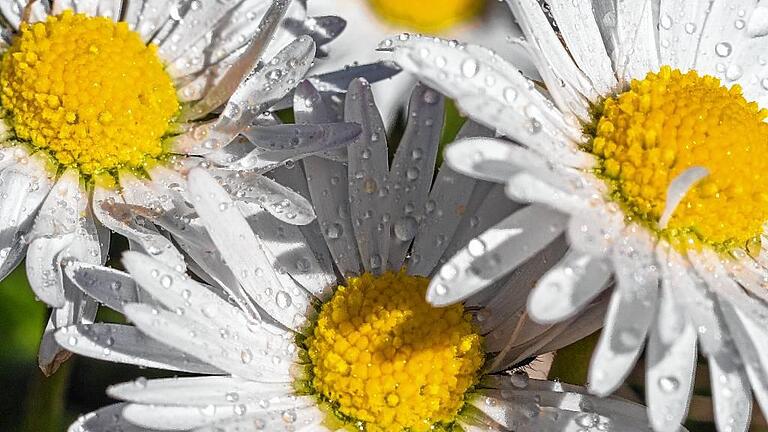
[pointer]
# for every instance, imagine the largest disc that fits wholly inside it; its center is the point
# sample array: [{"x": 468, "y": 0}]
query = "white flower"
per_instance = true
[
  {"x": 284, "y": 343},
  {"x": 97, "y": 113},
  {"x": 369, "y": 21},
  {"x": 653, "y": 174}
]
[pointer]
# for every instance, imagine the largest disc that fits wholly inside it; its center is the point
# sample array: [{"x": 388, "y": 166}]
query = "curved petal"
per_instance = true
[
  {"x": 574, "y": 282},
  {"x": 232, "y": 235},
  {"x": 413, "y": 169},
  {"x": 126, "y": 344},
  {"x": 369, "y": 192},
  {"x": 495, "y": 253}
]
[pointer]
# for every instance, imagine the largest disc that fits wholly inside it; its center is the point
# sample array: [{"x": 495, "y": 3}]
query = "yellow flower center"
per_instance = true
[
  {"x": 381, "y": 355},
  {"x": 88, "y": 91},
  {"x": 669, "y": 122},
  {"x": 427, "y": 15}
]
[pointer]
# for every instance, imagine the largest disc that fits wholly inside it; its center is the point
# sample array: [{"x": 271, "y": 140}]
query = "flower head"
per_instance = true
[
  {"x": 643, "y": 144},
  {"x": 109, "y": 102}
]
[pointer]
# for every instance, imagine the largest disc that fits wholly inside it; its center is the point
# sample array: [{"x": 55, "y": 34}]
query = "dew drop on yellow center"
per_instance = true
[
  {"x": 381, "y": 355},
  {"x": 427, "y": 15},
  {"x": 89, "y": 91},
  {"x": 671, "y": 121}
]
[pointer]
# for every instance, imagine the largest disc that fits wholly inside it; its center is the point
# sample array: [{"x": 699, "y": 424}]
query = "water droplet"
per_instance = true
[
  {"x": 405, "y": 229},
  {"x": 476, "y": 247},
  {"x": 469, "y": 68},
  {"x": 757, "y": 25},
  {"x": 334, "y": 231},
  {"x": 723, "y": 49},
  {"x": 666, "y": 22},
  {"x": 669, "y": 384},
  {"x": 283, "y": 299}
]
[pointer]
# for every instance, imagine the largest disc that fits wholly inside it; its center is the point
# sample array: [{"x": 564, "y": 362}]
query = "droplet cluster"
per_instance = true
[
  {"x": 671, "y": 121},
  {"x": 383, "y": 356},
  {"x": 89, "y": 91},
  {"x": 426, "y": 15}
]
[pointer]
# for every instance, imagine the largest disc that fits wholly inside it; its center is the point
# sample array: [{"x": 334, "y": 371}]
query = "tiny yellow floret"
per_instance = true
[
  {"x": 427, "y": 15},
  {"x": 89, "y": 91},
  {"x": 671, "y": 121},
  {"x": 382, "y": 355}
]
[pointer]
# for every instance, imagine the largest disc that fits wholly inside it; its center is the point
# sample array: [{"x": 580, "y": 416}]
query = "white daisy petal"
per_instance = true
[
  {"x": 489, "y": 159},
  {"x": 52, "y": 235},
  {"x": 12, "y": 11},
  {"x": 413, "y": 169},
  {"x": 540, "y": 33},
  {"x": 516, "y": 409},
  {"x": 301, "y": 418},
  {"x": 595, "y": 230},
  {"x": 671, "y": 359},
  {"x": 511, "y": 242},
  {"x": 443, "y": 212},
  {"x": 280, "y": 201},
  {"x": 338, "y": 81},
  {"x": 125, "y": 344},
  {"x": 575, "y": 281},
  {"x": 293, "y": 255},
  {"x": 325, "y": 181},
  {"x": 180, "y": 294},
  {"x": 264, "y": 88},
  {"x": 184, "y": 418},
  {"x": 578, "y": 28},
  {"x": 369, "y": 194},
  {"x": 743, "y": 317},
  {"x": 292, "y": 142},
  {"x": 232, "y": 81},
  {"x": 109, "y": 287},
  {"x": 630, "y": 314},
  {"x": 207, "y": 344},
  {"x": 527, "y": 188},
  {"x": 44, "y": 259},
  {"x": 208, "y": 390},
  {"x": 473, "y": 72},
  {"x": 507, "y": 121},
  {"x": 680, "y": 27},
  {"x": 322, "y": 29},
  {"x": 500, "y": 312},
  {"x": 232, "y": 234},
  {"x": 636, "y": 32},
  {"x": 489, "y": 206},
  {"x": 749, "y": 274},
  {"x": 749, "y": 338},
  {"x": 567, "y": 333},
  {"x": 294, "y": 177},
  {"x": 198, "y": 21},
  {"x": 143, "y": 235},
  {"x": 731, "y": 393},
  {"x": 677, "y": 190},
  {"x": 23, "y": 187},
  {"x": 104, "y": 419}
]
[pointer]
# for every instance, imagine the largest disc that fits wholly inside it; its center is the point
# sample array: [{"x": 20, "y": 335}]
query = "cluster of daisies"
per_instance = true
[{"x": 305, "y": 271}]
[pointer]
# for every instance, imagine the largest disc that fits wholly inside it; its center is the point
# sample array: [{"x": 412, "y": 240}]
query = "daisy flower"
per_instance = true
[
  {"x": 644, "y": 145},
  {"x": 328, "y": 328},
  {"x": 369, "y": 21},
  {"x": 109, "y": 101}
]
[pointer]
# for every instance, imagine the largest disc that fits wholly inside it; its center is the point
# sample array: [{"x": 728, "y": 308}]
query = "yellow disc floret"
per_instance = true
[
  {"x": 669, "y": 122},
  {"x": 383, "y": 356},
  {"x": 427, "y": 15},
  {"x": 89, "y": 91}
]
